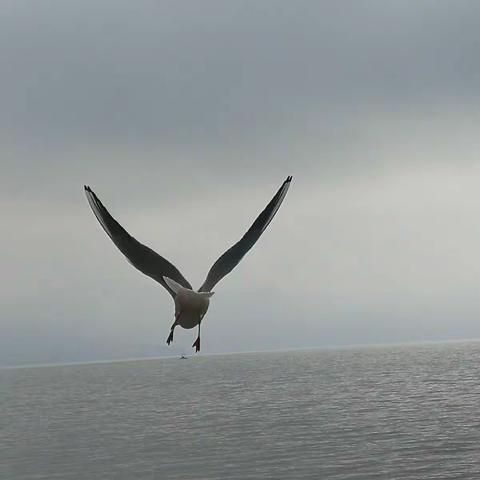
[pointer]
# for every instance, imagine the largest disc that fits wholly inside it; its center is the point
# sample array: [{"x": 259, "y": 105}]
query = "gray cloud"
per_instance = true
[
  {"x": 223, "y": 72},
  {"x": 186, "y": 117}
]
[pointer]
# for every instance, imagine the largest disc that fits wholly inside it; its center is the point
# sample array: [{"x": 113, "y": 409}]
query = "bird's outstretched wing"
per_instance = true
[
  {"x": 230, "y": 259},
  {"x": 144, "y": 258}
]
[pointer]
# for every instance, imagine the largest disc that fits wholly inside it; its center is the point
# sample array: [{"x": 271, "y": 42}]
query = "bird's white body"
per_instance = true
[
  {"x": 190, "y": 306},
  {"x": 190, "y": 309}
]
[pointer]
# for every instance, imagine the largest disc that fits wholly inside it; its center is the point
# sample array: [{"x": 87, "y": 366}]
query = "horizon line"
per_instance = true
[{"x": 239, "y": 352}]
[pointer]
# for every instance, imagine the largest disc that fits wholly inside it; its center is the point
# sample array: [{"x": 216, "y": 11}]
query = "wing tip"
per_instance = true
[
  {"x": 90, "y": 193},
  {"x": 286, "y": 183}
]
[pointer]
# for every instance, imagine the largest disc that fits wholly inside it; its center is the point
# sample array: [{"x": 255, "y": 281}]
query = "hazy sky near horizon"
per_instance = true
[{"x": 185, "y": 117}]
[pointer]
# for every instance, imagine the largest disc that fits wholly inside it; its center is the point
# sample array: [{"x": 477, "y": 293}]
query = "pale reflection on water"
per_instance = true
[{"x": 410, "y": 412}]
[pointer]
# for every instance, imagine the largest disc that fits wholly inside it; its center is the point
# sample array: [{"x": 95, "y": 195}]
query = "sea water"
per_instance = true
[{"x": 391, "y": 412}]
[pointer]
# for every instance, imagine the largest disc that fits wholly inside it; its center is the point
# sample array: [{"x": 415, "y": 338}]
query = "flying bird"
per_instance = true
[{"x": 190, "y": 305}]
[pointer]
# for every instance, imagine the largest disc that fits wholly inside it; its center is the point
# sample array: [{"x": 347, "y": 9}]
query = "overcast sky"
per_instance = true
[{"x": 185, "y": 117}]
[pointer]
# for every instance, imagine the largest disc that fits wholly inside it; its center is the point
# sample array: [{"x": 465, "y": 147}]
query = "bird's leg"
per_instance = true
[
  {"x": 172, "y": 328},
  {"x": 170, "y": 337},
  {"x": 197, "y": 341}
]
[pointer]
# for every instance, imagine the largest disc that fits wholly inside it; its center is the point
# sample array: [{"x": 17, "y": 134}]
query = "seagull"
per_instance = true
[{"x": 190, "y": 305}]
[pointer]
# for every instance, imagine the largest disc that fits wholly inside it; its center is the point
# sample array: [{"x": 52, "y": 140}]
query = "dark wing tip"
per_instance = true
[
  {"x": 90, "y": 193},
  {"x": 286, "y": 183}
]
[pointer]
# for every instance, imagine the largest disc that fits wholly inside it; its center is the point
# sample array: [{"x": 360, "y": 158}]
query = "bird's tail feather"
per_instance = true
[
  {"x": 173, "y": 285},
  {"x": 176, "y": 288}
]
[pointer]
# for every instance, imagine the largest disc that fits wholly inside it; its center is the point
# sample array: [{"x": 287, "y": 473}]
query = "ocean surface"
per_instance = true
[{"x": 390, "y": 412}]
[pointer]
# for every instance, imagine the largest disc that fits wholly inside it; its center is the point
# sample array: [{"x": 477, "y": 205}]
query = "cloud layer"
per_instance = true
[{"x": 186, "y": 118}]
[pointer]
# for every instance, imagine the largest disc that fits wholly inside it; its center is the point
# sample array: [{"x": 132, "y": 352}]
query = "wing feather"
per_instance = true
[
  {"x": 230, "y": 259},
  {"x": 140, "y": 256}
]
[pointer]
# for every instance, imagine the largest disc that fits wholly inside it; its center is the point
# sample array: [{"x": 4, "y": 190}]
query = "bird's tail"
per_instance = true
[
  {"x": 205, "y": 294},
  {"x": 176, "y": 288}
]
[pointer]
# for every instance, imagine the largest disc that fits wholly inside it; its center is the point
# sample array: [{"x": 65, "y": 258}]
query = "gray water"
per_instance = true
[{"x": 409, "y": 412}]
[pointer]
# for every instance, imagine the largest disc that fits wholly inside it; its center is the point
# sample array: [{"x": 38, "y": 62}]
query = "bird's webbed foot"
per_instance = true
[{"x": 197, "y": 344}]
